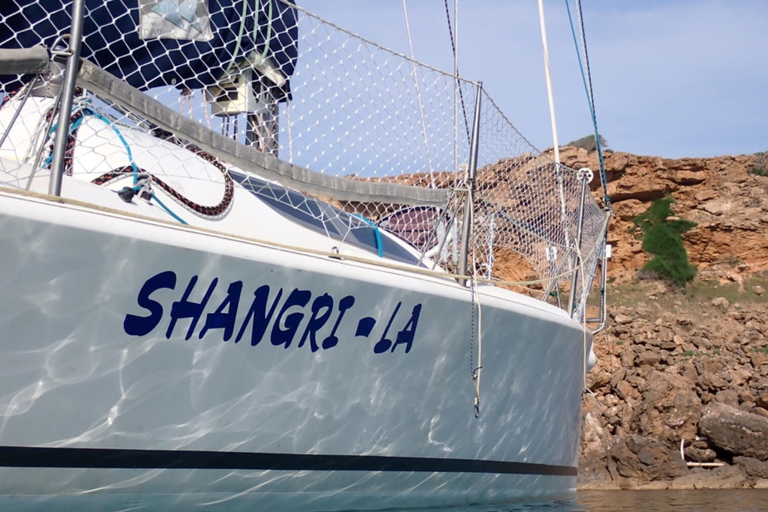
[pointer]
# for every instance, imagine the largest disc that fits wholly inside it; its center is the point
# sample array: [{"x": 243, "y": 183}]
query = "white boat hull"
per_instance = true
[{"x": 346, "y": 403}]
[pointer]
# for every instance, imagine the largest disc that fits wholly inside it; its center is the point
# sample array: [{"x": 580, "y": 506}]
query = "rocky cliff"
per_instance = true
[
  {"x": 729, "y": 203},
  {"x": 682, "y": 369}
]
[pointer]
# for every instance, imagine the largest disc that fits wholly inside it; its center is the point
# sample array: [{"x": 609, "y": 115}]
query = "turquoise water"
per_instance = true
[
  {"x": 592, "y": 501},
  {"x": 641, "y": 501}
]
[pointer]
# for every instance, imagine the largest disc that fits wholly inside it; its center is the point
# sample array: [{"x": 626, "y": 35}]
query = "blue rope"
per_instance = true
[
  {"x": 376, "y": 234},
  {"x": 119, "y": 134},
  {"x": 168, "y": 210},
  {"x": 74, "y": 126},
  {"x": 590, "y": 103}
]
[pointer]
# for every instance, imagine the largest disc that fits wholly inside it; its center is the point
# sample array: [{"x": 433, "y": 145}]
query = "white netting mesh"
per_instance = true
[{"x": 281, "y": 80}]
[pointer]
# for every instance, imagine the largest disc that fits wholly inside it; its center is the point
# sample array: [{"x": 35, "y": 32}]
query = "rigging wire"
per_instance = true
[
  {"x": 586, "y": 77},
  {"x": 418, "y": 97},
  {"x": 456, "y": 71}
]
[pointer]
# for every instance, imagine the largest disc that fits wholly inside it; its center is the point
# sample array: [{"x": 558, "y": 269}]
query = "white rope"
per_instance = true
[
  {"x": 205, "y": 111},
  {"x": 477, "y": 371},
  {"x": 288, "y": 131}
]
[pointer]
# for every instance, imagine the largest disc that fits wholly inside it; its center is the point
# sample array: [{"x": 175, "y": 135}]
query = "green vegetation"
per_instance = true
[
  {"x": 661, "y": 238},
  {"x": 588, "y": 143},
  {"x": 763, "y": 350},
  {"x": 760, "y": 167},
  {"x": 699, "y": 291}
]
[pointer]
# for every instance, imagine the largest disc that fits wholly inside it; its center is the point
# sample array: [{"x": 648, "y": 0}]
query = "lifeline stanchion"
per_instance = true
[
  {"x": 67, "y": 97},
  {"x": 469, "y": 203}
]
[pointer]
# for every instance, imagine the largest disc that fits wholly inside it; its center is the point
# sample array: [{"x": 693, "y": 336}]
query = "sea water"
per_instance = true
[
  {"x": 639, "y": 501},
  {"x": 588, "y": 501}
]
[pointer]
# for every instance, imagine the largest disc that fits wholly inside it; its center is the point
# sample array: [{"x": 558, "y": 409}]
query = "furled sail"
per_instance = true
[{"x": 119, "y": 37}]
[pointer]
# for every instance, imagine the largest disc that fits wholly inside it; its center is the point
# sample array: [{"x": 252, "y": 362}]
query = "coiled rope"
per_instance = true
[{"x": 204, "y": 211}]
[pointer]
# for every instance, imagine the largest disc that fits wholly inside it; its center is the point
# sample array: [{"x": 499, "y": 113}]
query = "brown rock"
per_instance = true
[
  {"x": 646, "y": 459},
  {"x": 712, "y": 382},
  {"x": 718, "y": 206},
  {"x": 707, "y": 365},
  {"x": 758, "y": 359},
  {"x": 726, "y": 477},
  {"x": 618, "y": 376},
  {"x": 669, "y": 409},
  {"x": 687, "y": 177},
  {"x": 593, "y": 444},
  {"x": 636, "y": 188},
  {"x": 593, "y": 474},
  {"x": 746, "y": 396},
  {"x": 597, "y": 379},
  {"x": 735, "y": 431},
  {"x": 753, "y": 467},
  {"x": 648, "y": 357},
  {"x": 626, "y": 391},
  {"x": 700, "y": 454},
  {"x": 627, "y": 357},
  {"x": 705, "y": 195},
  {"x": 740, "y": 376},
  {"x": 728, "y": 397}
]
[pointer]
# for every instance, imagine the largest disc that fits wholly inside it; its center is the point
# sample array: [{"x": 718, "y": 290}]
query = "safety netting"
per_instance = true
[{"x": 313, "y": 113}]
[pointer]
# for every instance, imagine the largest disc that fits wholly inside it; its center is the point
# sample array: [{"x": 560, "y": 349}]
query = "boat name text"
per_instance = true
[{"x": 287, "y": 307}]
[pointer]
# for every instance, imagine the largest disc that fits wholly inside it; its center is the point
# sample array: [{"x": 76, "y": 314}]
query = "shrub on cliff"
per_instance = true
[
  {"x": 588, "y": 143},
  {"x": 661, "y": 238},
  {"x": 760, "y": 166}
]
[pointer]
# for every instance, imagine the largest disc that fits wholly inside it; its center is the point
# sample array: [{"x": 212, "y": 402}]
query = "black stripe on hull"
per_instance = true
[{"x": 36, "y": 457}]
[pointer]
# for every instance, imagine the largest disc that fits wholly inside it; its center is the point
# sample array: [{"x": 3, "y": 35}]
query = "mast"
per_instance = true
[
  {"x": 549, "y": 82},
  {"x": 558, "y": 170}
]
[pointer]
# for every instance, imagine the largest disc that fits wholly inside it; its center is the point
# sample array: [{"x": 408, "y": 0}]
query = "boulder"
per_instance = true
[
  {"x": 728, "y": 397},
  {"x": 593, "y": 474},
  {"x": 735, "y": 431},
  {"x": 700, "y": 454},
  {"x": 753, "y": 467},
  {"x": 645, "y": 459},
  {"x": 726, "y": 477},
  {"x": 593, "y": 441},
  {"x": 669, "y": 409}
]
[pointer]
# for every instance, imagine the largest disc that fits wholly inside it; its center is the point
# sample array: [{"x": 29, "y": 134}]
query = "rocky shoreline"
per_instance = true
[
  {"x": 672, "y": 371},
  {"x": 679, "y": 398}
]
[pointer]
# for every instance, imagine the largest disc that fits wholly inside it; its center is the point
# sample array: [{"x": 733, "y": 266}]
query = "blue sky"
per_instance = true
[{"x": 672, "y": 78}]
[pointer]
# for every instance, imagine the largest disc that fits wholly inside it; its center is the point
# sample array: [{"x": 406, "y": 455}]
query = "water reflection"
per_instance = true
[
  {"x": 635, "y": 501},
  {"x": 677, "y": 501},
  {"x": 592, "y": 501}
]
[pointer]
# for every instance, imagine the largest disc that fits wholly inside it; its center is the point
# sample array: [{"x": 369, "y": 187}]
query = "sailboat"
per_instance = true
[{"x": 250, "y": 260}]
